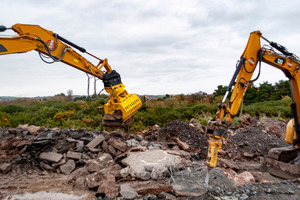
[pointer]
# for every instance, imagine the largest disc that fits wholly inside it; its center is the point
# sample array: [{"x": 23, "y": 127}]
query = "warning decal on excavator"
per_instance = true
[
  {"x": 51, "y": 44},
  {"x": 251, "y": 61}
]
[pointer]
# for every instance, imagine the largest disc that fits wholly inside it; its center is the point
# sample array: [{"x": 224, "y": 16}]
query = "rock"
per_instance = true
[
  {"x": 74, "y": 155},
  {"x": 94, "y": 180},
  {"x": 283, "y": 154},
  {"x": 108, "y": 186},
  {"x": 100, "y": 163},
  {"x": 68, "y": 167},
  {"x": 124, "y": 172},
  {"x": 279, "y": 169},
  {"x": 117, "y": 144},
  {"x": 128, "y": 192},
  {"x": 112, "y": 150},
  {"x": 5, "y": 167},
  {"x": 274, "y": 126},
  {"x": 150, "y": 187},
  {"x": 95, "y": 141},
  {"x": 196, "y": 123},
  {"x": 183, "y": 145},
  {"x": 45, "y": 166},
  {"x": 105, "y": 146},
  {"x": 31, "y": 129},
  {"x": 248, "y": 155},
  {"x": 51, "y": 156},
  {"x": 181, "y": 190},
  {"x": 264, "y": 177},
  {"x": 77, "y": 178},
  {"x": 158, "y": 159},
  {"x": 79, "y": 145},
  {"x": 227, "y": 163},
  {"x": 57, "y": 164},
  {"x": 114, "y": 170},
  {"x": 139, "y": 137},
  {"x": 243, "y": 178},
  {"x": 117, "y": 133},
  {"x": 132, "y": 142},
  {"x": 229, "y": 173}
]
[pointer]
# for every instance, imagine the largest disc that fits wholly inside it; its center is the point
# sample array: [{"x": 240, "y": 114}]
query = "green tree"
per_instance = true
[
  {"x": 220, "y": 91},
  {"x": 266, "y": 90},
  {"x": 251, "y": 95},
  {"x": 282, "y": 88},
  {"x": 61, "y": 94}
]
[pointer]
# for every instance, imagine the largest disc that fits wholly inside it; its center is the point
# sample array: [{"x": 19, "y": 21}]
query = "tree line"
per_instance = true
[{"x": 264, "y": 92}]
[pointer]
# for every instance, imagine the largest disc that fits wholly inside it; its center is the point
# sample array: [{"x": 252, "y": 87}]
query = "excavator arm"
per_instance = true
[
  {"x": 121, "y": 106},
  {"x": 252, "y": 56}
]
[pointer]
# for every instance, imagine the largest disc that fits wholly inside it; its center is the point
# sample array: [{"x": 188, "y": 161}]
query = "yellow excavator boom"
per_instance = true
[
  {"x": 121, "y": 105},
  {"x": 275, "y": 55}
]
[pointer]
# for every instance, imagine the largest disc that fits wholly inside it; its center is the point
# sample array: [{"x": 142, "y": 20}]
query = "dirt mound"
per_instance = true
[
  {"x": 252, "y": 141},
  {"x": 185, "y": 133}
]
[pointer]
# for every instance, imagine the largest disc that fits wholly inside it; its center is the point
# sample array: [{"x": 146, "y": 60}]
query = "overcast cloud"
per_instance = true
[{"x": 158, "y": 47}]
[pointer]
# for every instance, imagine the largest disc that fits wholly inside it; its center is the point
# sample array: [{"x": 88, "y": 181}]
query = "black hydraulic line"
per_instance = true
[
  {"x": 238, "y": 69},
  {"x": 281, "y": 48},
  {"x": 241, "y": 62},
  {"x": 83, "y": 50}
]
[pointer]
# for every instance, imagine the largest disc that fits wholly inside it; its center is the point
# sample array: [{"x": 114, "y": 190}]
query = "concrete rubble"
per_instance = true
[{"x": 159, "y": 163}]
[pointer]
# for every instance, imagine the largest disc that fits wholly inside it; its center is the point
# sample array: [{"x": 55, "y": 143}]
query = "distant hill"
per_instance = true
[{"x": 7, "y": 98}]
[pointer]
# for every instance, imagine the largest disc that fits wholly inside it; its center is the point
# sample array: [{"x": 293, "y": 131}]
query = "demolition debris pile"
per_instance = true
[{"x": 160, "y": 163}]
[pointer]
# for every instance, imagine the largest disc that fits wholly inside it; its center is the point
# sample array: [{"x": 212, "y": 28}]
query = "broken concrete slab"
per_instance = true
[
  {"x": 243, "y": 178},
  {"x": 5, "y": 167},
  {"x": 150, "y": 187},
  {"x": 100, "y": 163},
  {"x": 68, "y": 167},
  {"x": 124, "y": 172},
  {"x": 94, "y": 180},
  {"x": 32, "y": 129},
  {"x": 128, "y": 192},
  {"x": 51, "y": 156},
  {"x": 108, "y": 186},
  {"x": 159, "y": 160},
  {"x": 77, "y": 178},
  {"x": 227, "y": 163},
  {"x": 117, "y": 144},
  {"x": 74, "y": 155},
  {"x": 112, "y": 150},
  {"x": 95, "y": 141},
  {"x": 280, "y": 169},
  {"x": 283, "y": 154},
  {"x": 264, "y": 177}
]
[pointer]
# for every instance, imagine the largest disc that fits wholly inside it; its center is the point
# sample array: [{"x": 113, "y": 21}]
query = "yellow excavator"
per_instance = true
[
  {"x": 121, "y": 106},
  {"x": 273, "y": 54}
]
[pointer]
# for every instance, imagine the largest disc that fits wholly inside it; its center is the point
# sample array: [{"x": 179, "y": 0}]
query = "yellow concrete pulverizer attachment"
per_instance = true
[{"x": 121, "y": 105}]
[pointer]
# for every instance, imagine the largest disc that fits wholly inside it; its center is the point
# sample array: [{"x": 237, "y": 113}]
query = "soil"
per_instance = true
[
  {"x": 254, "y": 140},
  {"x": 39, "y": 185},
  {"x": 185, "y": 133}
]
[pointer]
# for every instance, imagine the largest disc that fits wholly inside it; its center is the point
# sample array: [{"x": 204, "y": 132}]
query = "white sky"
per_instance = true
[{"x": 158, "y": 46}]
